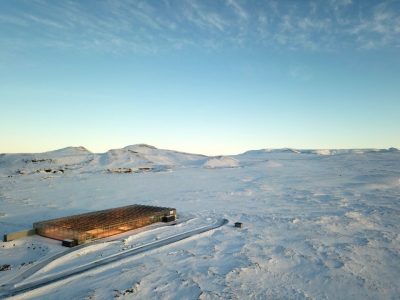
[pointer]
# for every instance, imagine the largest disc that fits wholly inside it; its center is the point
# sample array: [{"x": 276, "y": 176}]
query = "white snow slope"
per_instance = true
[{"x": 317, "y": 224}]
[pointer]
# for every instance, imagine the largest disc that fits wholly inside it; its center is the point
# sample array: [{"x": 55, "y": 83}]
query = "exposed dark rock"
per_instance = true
[
  {"x": 120, "y": 170},
  {"x": 36, "y": 160},
  {"x": 145, "y": 169},
  {"x": 5, "y": 267}
]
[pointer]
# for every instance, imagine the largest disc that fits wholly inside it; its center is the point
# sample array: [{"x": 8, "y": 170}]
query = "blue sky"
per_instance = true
[{"x": 213, "y": 77}]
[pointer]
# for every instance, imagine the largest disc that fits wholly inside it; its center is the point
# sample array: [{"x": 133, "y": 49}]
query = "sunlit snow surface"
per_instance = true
[{"x": 317, "y": 224}]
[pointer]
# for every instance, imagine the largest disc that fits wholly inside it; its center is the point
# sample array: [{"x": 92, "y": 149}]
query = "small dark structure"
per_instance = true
[
  {"x": 78, "y": 229},
  {"x": 169, "y": 218},
  {"x": 238, "y": 224},
  {"x": 69, "y": 243}
]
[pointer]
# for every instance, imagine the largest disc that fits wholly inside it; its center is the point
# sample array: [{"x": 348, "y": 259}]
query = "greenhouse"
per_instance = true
[{"x": 104, "y": 223}]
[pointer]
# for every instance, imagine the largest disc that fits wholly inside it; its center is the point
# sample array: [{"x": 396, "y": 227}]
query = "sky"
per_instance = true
[{"x": 212, "y": 77}]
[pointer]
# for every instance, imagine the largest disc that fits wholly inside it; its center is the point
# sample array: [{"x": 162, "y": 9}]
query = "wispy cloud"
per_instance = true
[
  {"x": 143, "y": 26},
  {"x": 239, "y": 10},
  {"x": 43, "y": 21},
  {"x": 203, "y": 18},
  {"x": 379, "y": 27}
]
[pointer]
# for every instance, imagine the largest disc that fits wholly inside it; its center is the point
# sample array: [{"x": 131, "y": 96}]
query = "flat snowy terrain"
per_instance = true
[{"x": 317, "y": 224}]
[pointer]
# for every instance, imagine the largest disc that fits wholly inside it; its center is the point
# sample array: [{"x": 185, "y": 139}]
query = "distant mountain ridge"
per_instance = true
[
  {"x": 322, "y": 151},
  {"x": 76, "y": 150},
  {"x": 146, "y": 158}
]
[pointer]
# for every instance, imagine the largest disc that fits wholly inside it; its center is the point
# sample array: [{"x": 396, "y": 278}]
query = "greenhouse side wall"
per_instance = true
[{"x": 101, "y": 224}]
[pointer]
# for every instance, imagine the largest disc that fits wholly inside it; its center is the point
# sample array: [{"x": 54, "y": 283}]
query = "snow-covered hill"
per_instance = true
[
  {"x": 221, "y": 162},
  {"x": 319, "y": 151},
  {"x": 56, "y": 161},
  {"x": 139, "y": 157},
  {"x": 145, "y": 158}
]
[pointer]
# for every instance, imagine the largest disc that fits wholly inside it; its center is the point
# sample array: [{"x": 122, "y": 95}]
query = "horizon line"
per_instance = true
[{"x": 188, "y": 152}]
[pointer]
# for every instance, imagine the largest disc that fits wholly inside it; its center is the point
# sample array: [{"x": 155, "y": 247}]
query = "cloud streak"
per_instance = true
[{"x": 143, "y": 26}]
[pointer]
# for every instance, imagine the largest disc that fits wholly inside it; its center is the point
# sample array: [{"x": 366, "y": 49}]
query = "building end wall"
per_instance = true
[{"x": 18, "y": 234}]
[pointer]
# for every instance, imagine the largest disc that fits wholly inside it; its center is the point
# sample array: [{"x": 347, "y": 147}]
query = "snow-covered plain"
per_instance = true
[{"x": 317, "y": 224}]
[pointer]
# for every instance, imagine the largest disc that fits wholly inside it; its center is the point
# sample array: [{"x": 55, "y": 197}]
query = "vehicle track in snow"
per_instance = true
[
  {"x": 43, "y": 263},
  {"x": 18, "y": 288}
]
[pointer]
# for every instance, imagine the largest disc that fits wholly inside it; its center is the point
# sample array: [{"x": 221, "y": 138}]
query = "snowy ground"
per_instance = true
[{"x": 317, "y": 224}]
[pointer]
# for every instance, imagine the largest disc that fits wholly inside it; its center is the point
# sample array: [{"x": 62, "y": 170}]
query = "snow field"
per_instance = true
[{"x": 315, "y": 226}]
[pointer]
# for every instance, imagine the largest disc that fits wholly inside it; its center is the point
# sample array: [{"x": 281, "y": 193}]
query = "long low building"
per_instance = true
[{"x": 104, "y": 223}]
